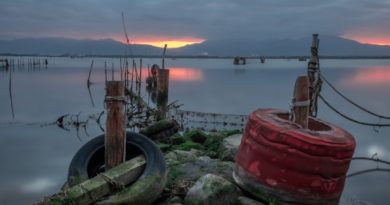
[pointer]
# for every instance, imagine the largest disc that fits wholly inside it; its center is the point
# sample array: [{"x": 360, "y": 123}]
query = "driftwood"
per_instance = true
[
  {"x": 103, "y": 184},
  {"x": 161, "y": 131}
]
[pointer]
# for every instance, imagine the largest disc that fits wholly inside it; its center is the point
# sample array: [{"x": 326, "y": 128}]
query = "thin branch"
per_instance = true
[
  {"x": 127, "y": 37},
  {"x": 89, "y": 75}
]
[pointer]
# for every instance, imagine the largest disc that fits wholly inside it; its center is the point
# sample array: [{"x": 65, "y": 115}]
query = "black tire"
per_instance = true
[{"x": 89, "y": 160}]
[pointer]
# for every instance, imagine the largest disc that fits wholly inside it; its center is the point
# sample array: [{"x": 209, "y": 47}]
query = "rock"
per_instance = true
[
  {"x": 242, "y": 200},
  {"x": 185, "y": 168},
  {"x": 164, "y": 147},
  {"x": 212, "y": 190},
  {"x": 213, "y": 143},
  {"x": 229, "y": 147},
  {"x": 179, "y": 157},
  {"x": 175, "y": 200},
  {"x": 196, "y": 136},
  {"x": 190, "y": 170},
  {"x": 177, "y": 139},
  {"x": 196, "y": 152},
  {"x": 188, "y": 145}
]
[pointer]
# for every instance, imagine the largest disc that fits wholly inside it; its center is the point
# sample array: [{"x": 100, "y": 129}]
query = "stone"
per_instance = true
[
  {"x": 196, "y": 152},
  {"x": 179, "y": 157},
  {"x": 184, "y": 168},
  {"x": 242, "y": 200},
  {"x": 212, "y": 190},
  {"x": 196, "y": 136},
  {"x": 175, "y": 200},
  {"x": 191, "y": 170},
  {"x": 229, "y": 147},
  {"x": 177, "y": 139}
]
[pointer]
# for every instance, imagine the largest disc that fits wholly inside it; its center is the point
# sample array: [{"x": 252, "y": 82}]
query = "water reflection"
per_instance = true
[
  {"x": 185, "y": 74},
  {"x": 10, "y": 95},
  {"x": 176, "y": 74},
  {"x": 371, "y": 76}
]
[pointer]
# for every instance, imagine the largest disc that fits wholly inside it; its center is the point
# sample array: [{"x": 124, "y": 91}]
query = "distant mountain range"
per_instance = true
[{"x": 329, "y": 46}]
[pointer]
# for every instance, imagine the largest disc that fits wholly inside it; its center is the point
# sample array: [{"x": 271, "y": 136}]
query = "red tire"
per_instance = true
[{"x": 279, "y": 161}]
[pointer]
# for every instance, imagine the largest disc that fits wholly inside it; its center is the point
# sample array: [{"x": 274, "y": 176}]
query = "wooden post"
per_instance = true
[
  {"x": 300, "y": 102},
  {"x": 312, "y": 73},
  {"x": 115, "y": 139},
  {"x": 162, "y": 92},
  {"x": 163, "y": 57},
  {"x": 6, "y": 64}
]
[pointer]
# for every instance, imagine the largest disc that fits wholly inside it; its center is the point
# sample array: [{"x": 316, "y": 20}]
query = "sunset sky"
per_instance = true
[{"x": 181, "y": 22}]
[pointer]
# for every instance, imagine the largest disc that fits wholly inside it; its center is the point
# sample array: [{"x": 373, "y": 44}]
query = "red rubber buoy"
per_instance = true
[{"x": 282, "y": 163}]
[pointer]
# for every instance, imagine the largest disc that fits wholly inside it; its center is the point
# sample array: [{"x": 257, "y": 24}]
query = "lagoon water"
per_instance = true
[{"x": 34, "y": 154}]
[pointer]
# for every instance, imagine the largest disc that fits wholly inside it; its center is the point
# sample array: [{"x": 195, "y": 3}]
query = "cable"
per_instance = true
[
  {"x": 351, "y": 119},
  {"x": 371, "y": 159},
  {"x": 367, "y": 171},
  {"x": 350, "y": 101}
]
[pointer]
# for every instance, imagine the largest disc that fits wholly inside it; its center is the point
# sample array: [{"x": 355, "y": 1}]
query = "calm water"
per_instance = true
[{"x": 35, "y": 155}]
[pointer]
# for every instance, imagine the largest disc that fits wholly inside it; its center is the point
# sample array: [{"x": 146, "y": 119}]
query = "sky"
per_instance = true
[{"x": 192, "y": 21}]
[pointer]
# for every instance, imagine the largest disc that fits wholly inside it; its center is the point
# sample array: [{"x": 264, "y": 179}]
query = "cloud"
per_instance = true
[{"x": 208, "y": 19}]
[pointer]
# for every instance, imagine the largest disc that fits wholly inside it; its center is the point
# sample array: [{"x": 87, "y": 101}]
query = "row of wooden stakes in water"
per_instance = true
[{"x": 19, "y": 63}]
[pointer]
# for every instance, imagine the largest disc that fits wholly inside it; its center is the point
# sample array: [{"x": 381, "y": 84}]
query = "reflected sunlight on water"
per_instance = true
[
  {"x": 370, "y": 76},
  {"x": 177, "y": 74},
  {"x": 185, "y": 74}
]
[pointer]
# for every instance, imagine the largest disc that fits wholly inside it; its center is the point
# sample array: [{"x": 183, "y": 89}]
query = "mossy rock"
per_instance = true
[
  {"x": 188, "y": 145},
  {"x": 229, "y": 147},
  {"x": 212, "y": 190},
  {"x": 196, "y": 136},
  {"x": 164, "y": 147},
  {"x": 242, "y": 200},
  {"x": 213, "y": 142},
  {"x": 177, "y": 139}
]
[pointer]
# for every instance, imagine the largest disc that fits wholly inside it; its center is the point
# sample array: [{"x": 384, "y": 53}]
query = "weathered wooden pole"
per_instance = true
[
  {"x": 163, "y": 57},
  {"x": 162, "y": 93},
  {"x": 313, "y": 70},
  {"x": 6, "y": 64},
  {"x": 301, "y": 102},
  {"x": 115, "y": 139}
]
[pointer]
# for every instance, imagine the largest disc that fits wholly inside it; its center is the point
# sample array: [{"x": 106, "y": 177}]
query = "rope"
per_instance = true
[
  {"x": 315, "y": 81},
  {"x": 113, "y": 185},
  {"x": 300, "y": 103},
  {"x": 351, "y": 119},
  {"x": 116, "y": 98},
  {"x": 350, "y": 101}
]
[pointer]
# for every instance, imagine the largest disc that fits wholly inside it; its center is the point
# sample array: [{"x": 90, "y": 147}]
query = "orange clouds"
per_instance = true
[
  {"x": 369, "y": 39},
  {"x": 172, "y": 42}
]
